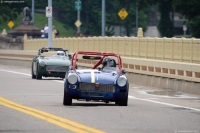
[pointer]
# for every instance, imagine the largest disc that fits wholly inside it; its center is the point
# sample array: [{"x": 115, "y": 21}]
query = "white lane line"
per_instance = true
[
  {"x": 178, "y": 96},
  {"x": 131, "y": 97},
  {"x": 168, "y": 104},
  {"x": 15, "y": 72},
  {"x": 59, "y": 81},
  {"x": 25, "y": 74}
]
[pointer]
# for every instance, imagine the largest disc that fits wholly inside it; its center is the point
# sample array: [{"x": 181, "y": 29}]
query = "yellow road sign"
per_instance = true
[
  {"x": 11, "y": 24},
  {"x": 78, "y": 23},
  {"x": 123, "y": 13}
]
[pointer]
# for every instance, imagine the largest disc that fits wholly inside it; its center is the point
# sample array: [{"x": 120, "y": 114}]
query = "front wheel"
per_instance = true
[
  {"x": 67, "y": 99},
  {"x": 32, "y": 73},
  {"x": 123, "y": 101},
  {"x": 38, "y": 75}
]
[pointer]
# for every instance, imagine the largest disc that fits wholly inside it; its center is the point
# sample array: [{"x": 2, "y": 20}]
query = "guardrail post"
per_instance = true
[
  {"x": 182, "y": 49},
  {"x": 154, "y": 53},
  {"x": 173, "y": 43},
  {"x": 192, "y": 50},
  {"x": 163, "y": 48},
  {"x": 147, "y": 48},
  {"x": 140, "y": 32},
  {"x": 139, "y": 35}
]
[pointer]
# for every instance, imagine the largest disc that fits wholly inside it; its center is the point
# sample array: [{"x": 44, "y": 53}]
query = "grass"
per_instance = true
[{"x": 40, "y": 21}]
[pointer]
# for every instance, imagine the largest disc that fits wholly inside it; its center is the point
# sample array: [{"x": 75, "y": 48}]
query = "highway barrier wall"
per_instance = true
[{"x": 179, "y": 76}]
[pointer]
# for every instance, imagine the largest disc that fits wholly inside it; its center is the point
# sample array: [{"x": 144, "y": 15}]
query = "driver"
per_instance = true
[
  {"x": 61, "y": 53},
  {"x": 108, "y": 62}
]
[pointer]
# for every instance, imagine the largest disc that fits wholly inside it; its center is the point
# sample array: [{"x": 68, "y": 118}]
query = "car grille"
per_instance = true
[
  {"x": 98, "y": 87},
  {"x": 57, "y": 68}
]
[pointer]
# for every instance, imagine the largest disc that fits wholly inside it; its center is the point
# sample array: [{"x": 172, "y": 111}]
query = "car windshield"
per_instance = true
[
  {"x": 54, "y": 54},
  {"x": 105, "y": 69}
]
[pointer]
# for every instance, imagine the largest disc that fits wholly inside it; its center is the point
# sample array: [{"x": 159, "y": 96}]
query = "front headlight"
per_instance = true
[
  {"x": 121, "y": 81},
  {"x": 72, "y": 78},
  {"x": 42, "y": 63}
]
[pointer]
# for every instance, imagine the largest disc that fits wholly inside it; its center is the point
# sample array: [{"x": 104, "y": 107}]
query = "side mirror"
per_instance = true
[{"x": 123, "y": 71}]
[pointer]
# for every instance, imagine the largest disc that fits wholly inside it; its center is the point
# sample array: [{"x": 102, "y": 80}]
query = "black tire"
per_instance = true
[
  {"x": 117, "y": 101},
  {"x": 33, "y": 76},
  {"x": 67, "y": 99},
  {"x": 38, "y": 76},
  {"x": 123, "y": 101}
]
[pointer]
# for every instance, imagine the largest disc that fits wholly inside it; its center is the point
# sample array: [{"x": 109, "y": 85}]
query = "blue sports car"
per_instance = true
[{"x": 105, "y": 81}]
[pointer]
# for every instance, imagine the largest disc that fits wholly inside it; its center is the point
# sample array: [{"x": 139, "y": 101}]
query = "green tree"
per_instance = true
[
  {"x": 10, "y": 11},
  {"x": 41, "y": 4},
  {"x": 64, "y": 11},
  {"x": 190, "y": 9},
  {"x": 129, "y": 23},
  {"x": 166, "y": 24},
  {"x": 91, "y": 15}
]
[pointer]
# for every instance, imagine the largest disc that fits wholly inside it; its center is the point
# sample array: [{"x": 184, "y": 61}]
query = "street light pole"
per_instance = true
[
  {"x": 103, "y": 18},
  {"x": 79, "y": 19},
  {"x": 33, "y": 6},
  {"x": 50, "y": 26},
  {"x": 136, "y": 12}
]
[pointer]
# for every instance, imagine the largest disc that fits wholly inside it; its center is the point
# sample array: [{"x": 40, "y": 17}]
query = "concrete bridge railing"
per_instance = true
[
  {"x": 164, "y": 49},
  {"x": 168, "y": 69}
]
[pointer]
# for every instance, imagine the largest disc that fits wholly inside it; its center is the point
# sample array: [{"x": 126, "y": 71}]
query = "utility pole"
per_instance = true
[
  {"x": 33, "y": 6},
  {"x": 136, "y": 12},
  {"x": 79, "y": 19},
  {"x": 50, "y": 25},
  {"x": 103, "y": 18},
  {"x": 78, "y": 7}
]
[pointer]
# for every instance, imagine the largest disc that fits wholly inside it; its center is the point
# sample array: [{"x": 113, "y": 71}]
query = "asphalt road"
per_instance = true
[{"x": 35, "y": 106}]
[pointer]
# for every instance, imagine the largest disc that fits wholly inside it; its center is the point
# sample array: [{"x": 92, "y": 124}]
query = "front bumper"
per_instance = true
[
  {"x": 46, "y": 72},
  {"x": 95, "y": 94}
]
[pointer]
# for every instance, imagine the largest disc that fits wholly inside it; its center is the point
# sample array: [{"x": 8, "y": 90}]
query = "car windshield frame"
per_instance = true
[
  {"x": 99, "y": 62},
  {"x": 51, "y": 52}
]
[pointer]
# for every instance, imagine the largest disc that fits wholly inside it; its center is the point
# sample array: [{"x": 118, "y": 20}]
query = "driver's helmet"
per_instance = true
[
  {"x": 61, "y": 53},
  {"x": 107, "y": 62},
  {"x": 112, "y": 63}
]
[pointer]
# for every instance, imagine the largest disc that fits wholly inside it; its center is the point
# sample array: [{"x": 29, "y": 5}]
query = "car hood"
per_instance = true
[
  {"x": 95, "y": 76},
  {"x": 52, "y": 61}
]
